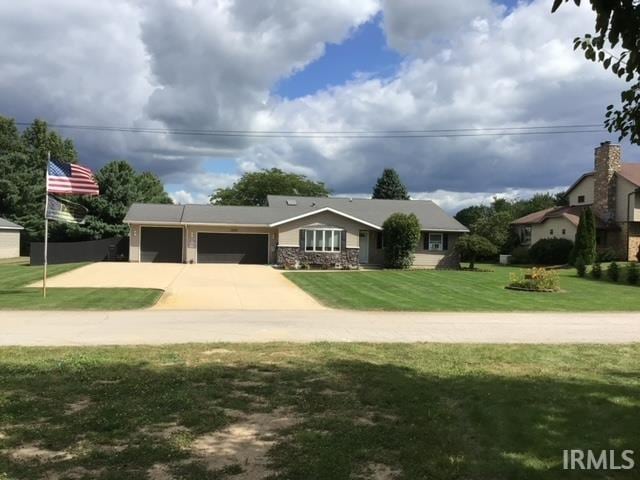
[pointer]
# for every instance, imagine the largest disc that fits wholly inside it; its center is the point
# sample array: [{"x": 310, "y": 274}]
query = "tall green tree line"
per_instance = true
[
  {"x": 493, "y": 221},
  {"x": 23, "y": 162}
]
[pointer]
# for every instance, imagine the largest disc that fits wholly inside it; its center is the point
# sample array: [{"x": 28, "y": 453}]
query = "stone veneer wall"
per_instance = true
[
  {"x": 607, "y": 163},
  {"x": 295, "y": 257}
]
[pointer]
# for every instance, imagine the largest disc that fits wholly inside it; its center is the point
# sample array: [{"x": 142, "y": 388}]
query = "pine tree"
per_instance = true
[
  {"x": 390, "y": 187},
  {"x": 585, "y": 244}
]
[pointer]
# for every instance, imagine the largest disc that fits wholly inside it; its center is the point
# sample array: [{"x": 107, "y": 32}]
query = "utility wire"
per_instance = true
[{"x": 427, "y": 133}]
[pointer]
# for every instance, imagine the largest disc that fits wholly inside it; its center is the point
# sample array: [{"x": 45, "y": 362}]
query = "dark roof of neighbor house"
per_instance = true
[
  {"x": 6, "y": 224},
  {"x": 570, "y": 213},
  {"x": 628, "y": 171},
  {"x": 282, "y": 209}
]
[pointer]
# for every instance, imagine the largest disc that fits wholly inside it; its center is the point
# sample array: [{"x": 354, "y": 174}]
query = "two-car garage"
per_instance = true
[
  {"x": 232, "y": 248},
  {"x": 165, "y": 244}
]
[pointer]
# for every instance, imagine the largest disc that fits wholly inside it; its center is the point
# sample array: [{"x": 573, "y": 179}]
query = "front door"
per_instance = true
[{"x": 364, "y": 246}]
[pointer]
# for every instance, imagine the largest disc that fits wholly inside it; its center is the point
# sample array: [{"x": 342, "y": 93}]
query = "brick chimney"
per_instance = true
[{"x": 607, "y": 163}]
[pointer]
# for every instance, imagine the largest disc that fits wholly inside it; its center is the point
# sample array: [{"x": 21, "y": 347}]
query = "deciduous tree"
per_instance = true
[
  {"x": 617, "y": 27},
  {"x": 253, "y": 188}
]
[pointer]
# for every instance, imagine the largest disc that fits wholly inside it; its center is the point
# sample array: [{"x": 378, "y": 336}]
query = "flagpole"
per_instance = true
[{"x": 46, "y": 227}]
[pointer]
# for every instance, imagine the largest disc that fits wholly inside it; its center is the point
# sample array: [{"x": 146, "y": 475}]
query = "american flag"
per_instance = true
[{"x": 68, "y": 178}]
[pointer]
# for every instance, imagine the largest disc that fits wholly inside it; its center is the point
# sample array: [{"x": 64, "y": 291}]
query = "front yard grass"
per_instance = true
[
  {"x": 319, "y": 411},
  {"x": 451, "y": 290},
  {"x": 14, "y": 296}
]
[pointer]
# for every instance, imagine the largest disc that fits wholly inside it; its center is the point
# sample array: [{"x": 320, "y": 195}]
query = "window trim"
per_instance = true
[
  {"x": 580, "y": 197},
  {"x": 441, "y": 242},
  {"x": 311, "y": 247}
]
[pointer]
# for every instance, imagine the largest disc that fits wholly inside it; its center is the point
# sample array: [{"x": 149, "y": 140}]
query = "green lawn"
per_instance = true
[
  {"x": 451, "y": 290},
  {"x": 319, "y": 411},
  {"x": 15, "y": 296}
]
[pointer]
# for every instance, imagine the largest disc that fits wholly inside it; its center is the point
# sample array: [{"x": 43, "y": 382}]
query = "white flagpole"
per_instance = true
[{"x": 46, "y": 227}]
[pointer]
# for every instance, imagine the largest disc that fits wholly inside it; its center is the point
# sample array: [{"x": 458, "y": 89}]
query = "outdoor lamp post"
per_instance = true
[{"x": 633, "y": 192}]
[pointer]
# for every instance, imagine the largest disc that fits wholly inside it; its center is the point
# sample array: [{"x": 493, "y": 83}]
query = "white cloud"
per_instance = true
[
  {"x": 513, "y": 70},
  {"x": 212, "y": 64}
]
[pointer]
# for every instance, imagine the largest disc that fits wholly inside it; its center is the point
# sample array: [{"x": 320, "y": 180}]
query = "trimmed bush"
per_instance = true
[
  {"x": 613, "y": 272},
  {"x": 401, "y": 235},
  {"x": 551, "y": 251},
  {"x": 596, "y": 271},
  {"x": 607, "y": 255},
  {"x": 633, "y": 275},
  {"x": 520, "y": 256},
  {"x": 472, "y": 247},
  {"x": 581, "y": 267}
]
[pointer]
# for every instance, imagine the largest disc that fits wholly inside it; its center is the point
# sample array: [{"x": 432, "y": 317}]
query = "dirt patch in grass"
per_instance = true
[
  {"x": 76, "y": 473},
  {"x": 379, "y": 471},
  {"x": 215, "y": 351},
  {"x": 159, "y": 472},
  {"x": 33, "y": 452},
  {"x": 245, "y": 443},
  {"x": 77, "y": 406}
]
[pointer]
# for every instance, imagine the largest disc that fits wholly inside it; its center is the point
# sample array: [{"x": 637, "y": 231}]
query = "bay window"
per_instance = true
[{"x": 322, "y": 240}]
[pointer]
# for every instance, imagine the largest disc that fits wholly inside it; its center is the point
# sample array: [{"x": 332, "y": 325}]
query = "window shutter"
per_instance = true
[
  {"x": 425, "y": 241},
  {"x": 302, "y": 238},
  {"x": 445, "y": 241},
  {"x": 343, "y": 240},
  {"x": 378, "y": 240}
]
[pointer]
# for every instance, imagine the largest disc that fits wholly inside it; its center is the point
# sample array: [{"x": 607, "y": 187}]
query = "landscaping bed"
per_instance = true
[{"x": 320, "y": 411}]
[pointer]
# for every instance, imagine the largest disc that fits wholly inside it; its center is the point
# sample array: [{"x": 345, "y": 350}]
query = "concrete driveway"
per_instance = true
[{"x": 196, "y": 287}]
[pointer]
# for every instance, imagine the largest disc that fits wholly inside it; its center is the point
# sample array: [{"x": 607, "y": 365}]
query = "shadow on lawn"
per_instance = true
[{"x": 351, "y": 414}]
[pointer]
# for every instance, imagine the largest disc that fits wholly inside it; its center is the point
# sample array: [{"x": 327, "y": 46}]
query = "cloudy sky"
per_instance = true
[{"x": 302, "y": 65}]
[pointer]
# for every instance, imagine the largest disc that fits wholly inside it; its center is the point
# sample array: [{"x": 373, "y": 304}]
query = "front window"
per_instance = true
[
  {"x": 322, "y": 240},
  {"x": 580, "y": 198},
  {"x": 435, "y": 241},
  {"x": 525, "y": 235}
]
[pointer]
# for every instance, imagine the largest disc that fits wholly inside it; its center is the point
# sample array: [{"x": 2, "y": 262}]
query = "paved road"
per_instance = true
[{"x": 163, "y": 327}]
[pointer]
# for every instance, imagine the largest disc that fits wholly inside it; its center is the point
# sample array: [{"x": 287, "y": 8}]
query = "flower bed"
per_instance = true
[{"x": 534, "y": 280}]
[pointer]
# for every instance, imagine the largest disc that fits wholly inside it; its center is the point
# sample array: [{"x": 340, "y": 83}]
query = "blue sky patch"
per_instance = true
[{"x": 365, "y": 50}]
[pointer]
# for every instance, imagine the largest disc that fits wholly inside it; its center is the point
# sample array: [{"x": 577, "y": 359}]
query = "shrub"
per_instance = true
[
  {"x": 470, "y": 247},
  {"x": 520, "y": 256},
  {"x": 535, "y": 279},
  {"x": 401, "y": 235},
  {"x": 551, "y": 251},
  {"x": 581, "y": 267},
  {"x": 596, "y": 270},
  {"x": 633, "y": 275},
  {"x": 613, "y": 272},
  {"x": 585, "y": 246},
  {"x": 607, "y": 255}
]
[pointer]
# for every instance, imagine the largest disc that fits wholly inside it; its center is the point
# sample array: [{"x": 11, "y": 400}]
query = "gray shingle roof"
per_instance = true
[
  {"x": 430, "y": 215},
  {"x": 374, "y": 212},
  {"x": 154, "y": 212},
  {"x": 4, "y": 223}
]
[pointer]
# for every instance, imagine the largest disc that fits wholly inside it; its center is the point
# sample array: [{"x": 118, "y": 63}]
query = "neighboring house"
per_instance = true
[
  {"x": 610, "y": 191},
  {"x": 290, "y": 231},
  {"x": 9, "y": 239}
]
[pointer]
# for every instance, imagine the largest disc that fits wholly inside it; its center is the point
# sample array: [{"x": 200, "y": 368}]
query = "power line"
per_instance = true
[{"x": 348, "y": 134}]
